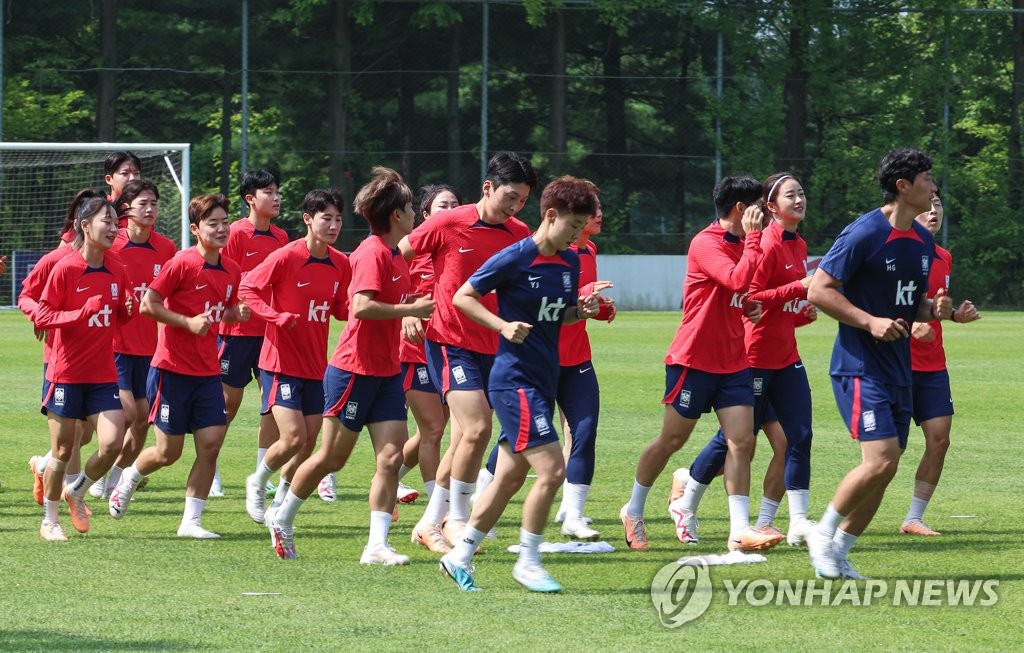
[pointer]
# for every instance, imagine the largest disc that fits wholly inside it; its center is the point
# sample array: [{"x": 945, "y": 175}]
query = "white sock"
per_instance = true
[
  {"x": 380, "y": 524},
  {"x": 830, "y": 521},
  {"x": 51, "y": 511},
  {"x": 402, "y": 471},
  {"x": 285, "y": 515},
  {"x": 261, "y": 453},
  {"x": 739, "y": 513},
  {"x": 483, "y": 479},
  {"x": 263, "y": 473},
  {"x": 69, "y": 479},
  {"x": 464, "y": 549},
  {"x": 80, "y": 485},
  {"x": 574, "y": 497},
  {"x": 842, "y": 543},
  {"x": 798, "y": 501},
  {"x": 429, "y": 487},
  {"x": 917, "y": 508},
  {"x": 132, "y": 475},
  {"x": 529, "y": 547},
  {"x": 282, "y": 492},
  {"x": 459, "y": 493},
  {"x": 216, "y": 477},
  {"x": 437, "y": 507},
  {"x": 766, "y": 514},
  {"x": 115, "y": 477},
  {"x": 694, "y": 493},
  {"x": 637, "y": 500},
  {"x": 193, "y": 508}
]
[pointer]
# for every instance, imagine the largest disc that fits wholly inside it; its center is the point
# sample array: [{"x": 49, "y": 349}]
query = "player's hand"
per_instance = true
[
  {"x": 967, "y": 312},
  {"x": 423, "y": 307},
  {"x": 922, "y": 331},
  {"x": 609, "y": 304},
  {"x": 41, "y": 334},
  {"x": 286, "y": 320},
  {"x": 942, "y": 305},
  {"x": 588, "y": 307},
  {"x": 515, "y": 332},
  {"x": 810, "y": 312},
  {"x": 752, "y": 218},
  {"x": 887, "y": 330},
  {"x": 243, "y": 312},
  {"x": 806, "y": 281},
  {"x": 129, "y": 303},
  {"x": 752, "y": 310},
  {"x": 412, "y": 330},
  {"x": 598, "y": 286},
  {"x": 200, "y": 324},
  {"x": 93, "y": 305}
]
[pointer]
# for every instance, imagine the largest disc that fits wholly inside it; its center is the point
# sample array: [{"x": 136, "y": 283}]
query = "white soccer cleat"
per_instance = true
[
  {"x": 578, "y": 529},
  {"x": 328, "y": 488},
  {"x": 191, "y": 528},
  {"x": 685, "y": 522},
  {"x": 535, "y": 578},
  {"x": 216, "y": 490},
  {"x": 121, "y": 497},
  {"x": 847, "y": 571},
  {"x": 560, "y": 517},
  {"x": 255, "y": 498},
  {"x": 383, "y": 555},
  {"x": 407, "y": 494},
  {"x": 680, "y": 478},
  {"x": 98, "y": 490},
  {"x": 799, "y": 530},
  {"x": 823, "y": 556}
]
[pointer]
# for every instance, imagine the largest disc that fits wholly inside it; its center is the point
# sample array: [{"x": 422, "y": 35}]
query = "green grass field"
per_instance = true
[{"x": 133, "y": 585}]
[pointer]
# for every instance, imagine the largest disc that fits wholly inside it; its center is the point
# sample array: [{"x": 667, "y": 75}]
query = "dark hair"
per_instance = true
[
  {"x": 737, "y": 188},
  {"x": 429, "y": 193},
  {"x": 510, "y": 168},
  {"x": 385, "y": 192},
  {"x": 115, "y": 159},
  {"x": 202, "y": 206},
  {"x": 257, "y": 179},
  {"x": 904, "y": 163},
  {"x": 76, "y": 201},
  {"x": 131, "y": 190},
  {"x": 569, "y": 195},
  {"x": 87, "y": 208},
  {"x": 319, "y": 199},
  {"x": 769, "y": 189}
]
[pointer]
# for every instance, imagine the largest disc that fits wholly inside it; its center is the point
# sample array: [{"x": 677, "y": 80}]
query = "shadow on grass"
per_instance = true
[{"x": 52, "y": 640}]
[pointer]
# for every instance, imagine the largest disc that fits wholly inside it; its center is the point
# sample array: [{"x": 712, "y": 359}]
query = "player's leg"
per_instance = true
[
  {"x": 738, "y": 428},
  {"x": 549, "y": 465},
  {"x": 208, "y": 442},
  {"x": 388, "y": 438},
  {"x": 165, "y": 451},
  {"x": 62, "y": 441},
  {"x": 579, "y": 399},
  {"x": 473, "y": 413},
  {"x": 790, "y": 399},
  {"x": 425, "y": 446},
  {"x": 933, "y": 412}
]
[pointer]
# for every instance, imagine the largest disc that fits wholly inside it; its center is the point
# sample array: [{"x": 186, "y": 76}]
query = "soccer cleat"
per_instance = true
[
  {"x": 281, "y": 537},
  {"x": 77, "y": 510},
  {"x": 37, "y": 480},
  {"x": 636, "y": 530},
  {"x": 535, "y": 578},
  {"x": 770, "y": 529},
  {"x": 255, "y": 498},
  {"x": 51, "y": 531},
  {"x": 680, "y": 478},
  {"x": 823, "y": 556},
  {"x": 560, "y": 517},
  {"x": 753, "y": 539},
  {"x": 328, "y": 488},
  {"x": 463, "y": 576},
  {"x": 917, "y": 527},
  {"x": 191, "y": 528},
  {"x": 452, "y": 530},
  {"x": 99, "y": 489},
  {"x": 121, "y": 497},
  {"x": 799, "y": 529},
  {"x": 407, "y": 494},
  {"x": 383, "y": 555},
  {"x": 577, "y": 529},
  {"x": 430, "y": 538},
  {"x": 685, "y": 521},
  {"x": 846, "y": 570}
]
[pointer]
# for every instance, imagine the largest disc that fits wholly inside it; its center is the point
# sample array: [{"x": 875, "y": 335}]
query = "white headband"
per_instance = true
[{"x": 776, "y": 185}]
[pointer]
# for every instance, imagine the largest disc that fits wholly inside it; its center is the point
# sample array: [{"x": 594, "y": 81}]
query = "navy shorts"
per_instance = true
[
  {"x": 932, "y": 396},
  {"x": 416, "y": 376},
  {"x": 46, "y": 389},
  {"x": 873, "y": 410},
  {"x": 455, "y": 368},
  {"x": 358, "y": 400},
  {"x": 239, "y": 359},
  {"x": 693, "y": 392},
  {"x": 525, "y": 417},
  {"x": 133, "y": 373},
  {"x": 180, "y": 404},
  {"x": 79, "y": 400},
  {"x": 306, "y": 395}
]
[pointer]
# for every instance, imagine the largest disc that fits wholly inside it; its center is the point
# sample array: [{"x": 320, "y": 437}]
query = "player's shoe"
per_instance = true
[
  {"x": 452, "y": 530},
  {"x": 98, "y": 490},
  {"x": 383, "y": 555},
  {"x": 282, "y": 538},
  {"x": 636, "y": 530},
  {"x": 77, "y": 510},
  {"x": 577, "y": 529},
  {"x": 431, "y": 538},
  {"x": 37, "y": 479},
  {"x": 823, "y": 556},
  {"x": 216, "y": 489},
  {"x": 463, "y": 576},
  {"x": 255, "y": 498},
  {"x": 685, "y": 522},
  {"x": 753, "y": 539},
  {"x": 771, "y": 530},
  {"x": 846, "y": 570},
  {"x": 407, "y": 494},
  {"x": 917, "y": 527},
  {"x": 680, "y": 478},
  {"x": 560, "y": 517},
  {"x": 191, "y": 528},
  {"x": 51, "y": 531},
  {"x": 121, "y": 497},
  {"x": 799, "y": 530},
  {"x": 535, "y": 578},
  {"x": 328, "y": 488}
]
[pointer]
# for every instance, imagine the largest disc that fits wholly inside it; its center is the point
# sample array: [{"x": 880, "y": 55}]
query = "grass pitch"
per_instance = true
[{"x": 133, "y": 585}]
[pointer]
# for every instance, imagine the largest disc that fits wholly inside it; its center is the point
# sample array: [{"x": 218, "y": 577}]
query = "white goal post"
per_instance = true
[{"x": 38, "y": 181}]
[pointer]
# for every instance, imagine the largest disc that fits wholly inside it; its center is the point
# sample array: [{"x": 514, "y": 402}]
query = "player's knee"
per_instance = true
[{"x": 390, "y": 459}]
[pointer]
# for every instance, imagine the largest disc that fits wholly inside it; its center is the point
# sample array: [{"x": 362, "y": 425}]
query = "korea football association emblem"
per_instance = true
[
  {"x": 113, "y": 291},
  {"x": 567, "y": 281},
  {"x": 925, "y": 262}
]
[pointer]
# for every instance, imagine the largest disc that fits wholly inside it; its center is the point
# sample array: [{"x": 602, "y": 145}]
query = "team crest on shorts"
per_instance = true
[
  {"x": 758, "y": 385},
  {"x": 421, "y": 374},
  {"x": 351, "y": 409},
  {"x": 58, "y": 396},
  {"x": 225, "y": 365},
  {"x": 684, "y": 398},
  {"x": 459, "y": 374},
  {"x": 286, "y": 391},
  {"x": 165, "y": 412},
  {"x": 541, "y": 422},
  {"x": 868, "y": 417}
]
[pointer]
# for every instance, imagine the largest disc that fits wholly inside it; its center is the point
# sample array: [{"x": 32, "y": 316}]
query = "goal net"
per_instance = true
[{"x": 38, "y": 181}]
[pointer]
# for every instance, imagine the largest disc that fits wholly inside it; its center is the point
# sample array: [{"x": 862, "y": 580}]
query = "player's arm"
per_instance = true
[
  {"x": 939, "y": 308},
  {"x": 467, "y": 300},
  {"x": 256, "y": 289},
  {"x": 366, "y": 307},
  {"x": 718, "y": 265},
  {"x": 824, "y": 293},
  {"x": 126, "y": 309},
  {"x": 408, "y": 253},
  {"x": 48, "y": 316},
  {"x": 606, "y": 305},
  {"x": 339, "y": 308},
  {"x": 153, "y": 306}
]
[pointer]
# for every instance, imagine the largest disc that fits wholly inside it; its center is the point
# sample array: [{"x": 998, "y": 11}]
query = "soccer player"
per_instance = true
[
  {"x": 86, "y": 296},
  {"x": 363, "y": 384},
  {"x": 874, "y": 281},
  {"x": 143, "y": 252},
  {"x": 706, "y": 365},
  {"x": 933, "y": 403},
  {"x": 296, "y": 291},
  {"x": 195, "y": 291},
  {"x": 460, "y": 351},
  {"x": 252, "y": 240},
  {"x": 780, "y": 380},
  {"x": 422, "y": 396},
  {"x": 536, "y": 285}
]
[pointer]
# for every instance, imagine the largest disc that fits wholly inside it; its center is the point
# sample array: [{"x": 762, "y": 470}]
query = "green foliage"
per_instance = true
[{"x": 30, "y": 115}]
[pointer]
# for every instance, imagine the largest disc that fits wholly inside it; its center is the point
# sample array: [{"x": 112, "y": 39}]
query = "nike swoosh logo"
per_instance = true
[
  {"x": 889, "y": 260},
  {"x": 798, "y": 366},
  {"x": 81, "y": 289},
  {"x": 201, "y": 287},
  {"x": 303, "y": 285},
  {"x": 789, "y": 266},
  {"x": 532, "y": 278},
  {"x": 426, "y": 276},
  {"x": 396, "y": 278},
  {"x": 584, "y": 371},
  {"x": 463, "y": 250},
  {"x": 251, "y": 253}
]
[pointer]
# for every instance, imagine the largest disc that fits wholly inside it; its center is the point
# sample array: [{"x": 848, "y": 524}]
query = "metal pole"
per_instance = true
[
  {"x": 244, "y": 160},
  {"x": 945, "y": 134},
  {"x": 718, "y": 114},
  {"x": 485, "y": 71},
  {"x": 1, "y": 71}
]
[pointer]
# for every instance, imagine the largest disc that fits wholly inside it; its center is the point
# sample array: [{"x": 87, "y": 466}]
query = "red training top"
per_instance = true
[{"x": 249, "y": 247}]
